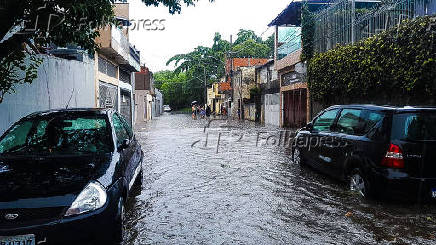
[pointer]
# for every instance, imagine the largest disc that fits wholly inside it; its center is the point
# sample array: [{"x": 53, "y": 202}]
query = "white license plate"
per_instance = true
[
  {"x": 17, "y": 240},
  {"x": 433, "y": 192}
]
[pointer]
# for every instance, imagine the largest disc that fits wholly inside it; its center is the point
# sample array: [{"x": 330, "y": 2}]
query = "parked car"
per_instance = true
[
  {"x": 167, "y": 108},
  {"x": 65, "y": 176},
  {"x": 381, "y": 151}
]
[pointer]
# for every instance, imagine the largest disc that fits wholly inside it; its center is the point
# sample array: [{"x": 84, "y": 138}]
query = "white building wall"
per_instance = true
[
  {"x": 59, "y": 81},
  {"x": 272, "y": 109},
  {"x": 158, "y": 104}
]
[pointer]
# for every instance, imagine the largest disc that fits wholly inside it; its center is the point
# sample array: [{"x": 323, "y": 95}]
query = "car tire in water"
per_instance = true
[
  {"x": 296, "y": 157},
  {"x": 120, "y": 223},
  {"x": 358, "y": 183}
]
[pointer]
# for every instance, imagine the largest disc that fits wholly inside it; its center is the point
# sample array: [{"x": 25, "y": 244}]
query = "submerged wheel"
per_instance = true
[
  {"x": 120, "y": 223},
  {"x": 358, "y": 184},
  {"x": 296, "y": 158}
]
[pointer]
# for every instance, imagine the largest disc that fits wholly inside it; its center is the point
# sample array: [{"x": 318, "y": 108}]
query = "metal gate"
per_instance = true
[
  {"x": 108, "y": 95},
  {"x": 295, "y": 108},
  {"x": 126, "y": 106}
]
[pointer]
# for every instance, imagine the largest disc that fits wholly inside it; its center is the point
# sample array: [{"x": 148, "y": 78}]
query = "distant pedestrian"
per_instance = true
[
  {"x": 194, "y": 112},
  {"x": 202, "y": 112},
  {"x": 239, "y": 114}
]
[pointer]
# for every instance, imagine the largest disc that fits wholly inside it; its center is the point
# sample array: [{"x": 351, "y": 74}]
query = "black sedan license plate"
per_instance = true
[{"x": 17, "y": 240}]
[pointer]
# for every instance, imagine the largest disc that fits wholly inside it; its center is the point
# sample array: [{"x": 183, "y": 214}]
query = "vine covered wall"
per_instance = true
[{"x": 397, "y": 66}]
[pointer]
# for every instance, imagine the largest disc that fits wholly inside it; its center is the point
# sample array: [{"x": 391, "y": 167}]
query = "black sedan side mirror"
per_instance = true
[
  {"x": 309, "y": 126},
  {"x": 125, "y": 144}
]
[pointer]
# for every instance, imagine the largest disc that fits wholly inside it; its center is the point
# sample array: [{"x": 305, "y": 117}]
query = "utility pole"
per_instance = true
[
  {"x": 353, "y": 18},
  {"x": 205, "y": 86},
  {"x": 231, "y": 76}
]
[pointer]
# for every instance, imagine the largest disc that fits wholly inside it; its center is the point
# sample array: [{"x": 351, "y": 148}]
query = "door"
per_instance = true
[
  {"x": 295, "y": 108},
  {"x": 322, "y": 128},
  {"x": 126, "y": 154},
  {"x": 126, "y": 106}
]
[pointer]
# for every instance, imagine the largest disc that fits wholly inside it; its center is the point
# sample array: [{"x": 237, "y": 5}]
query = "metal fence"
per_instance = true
[{"x": 340, "y": 23}]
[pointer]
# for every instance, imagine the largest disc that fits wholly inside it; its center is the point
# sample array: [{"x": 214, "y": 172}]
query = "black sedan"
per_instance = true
[{"x": 65, "y": 176}]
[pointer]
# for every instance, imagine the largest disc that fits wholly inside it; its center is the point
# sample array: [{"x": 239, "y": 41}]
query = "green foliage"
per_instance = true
[
  {"x": 174, "y": 6},
  {"x": 252, "y": 49},
  {"x": 245, "y": 35},
  {"x": 307, "y": 33},
  {"x": 208, "y": 64},
  {"x": 14, "y": 70},
  {"x": 397, "y": 66},
  {"x": 176, "y": 88}
]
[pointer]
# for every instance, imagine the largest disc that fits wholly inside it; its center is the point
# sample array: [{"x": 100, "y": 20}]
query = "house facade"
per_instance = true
[
  {"x": 115, "y": 64},
  {"x": 267, "y": 80},
  {"x": 145, "y": 95}
]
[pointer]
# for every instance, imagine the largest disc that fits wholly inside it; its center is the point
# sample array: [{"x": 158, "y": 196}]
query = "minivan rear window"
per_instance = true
[{"x": 416, "y": 126}]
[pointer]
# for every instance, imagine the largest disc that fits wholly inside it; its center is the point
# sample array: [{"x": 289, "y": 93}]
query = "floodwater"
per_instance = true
[{"x": 246, "y": 190}]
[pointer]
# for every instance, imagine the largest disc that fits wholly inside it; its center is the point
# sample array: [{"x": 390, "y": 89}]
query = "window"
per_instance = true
[
  {"x": 419, "y": 126},
  {"x": 324, "y": 122},
  {"x": 120, "y": 130},
  {"x": 350, "y": 122},
  {"x": 127, "y": 126},
  {"x": 371, "y": 119},
  {"x": 16, "y": 138},
  {"x": 60, "y": 134},
  {"x": 358, "y": 122}
]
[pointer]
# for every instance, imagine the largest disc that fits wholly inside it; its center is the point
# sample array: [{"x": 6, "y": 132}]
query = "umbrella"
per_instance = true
[{"x": 194, "y": 102}]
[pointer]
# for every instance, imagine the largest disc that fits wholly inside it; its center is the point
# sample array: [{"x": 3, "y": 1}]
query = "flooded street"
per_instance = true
[{"x": 245, "y": 190}]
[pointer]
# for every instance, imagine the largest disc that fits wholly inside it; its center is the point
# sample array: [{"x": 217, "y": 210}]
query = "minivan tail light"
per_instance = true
[{"x": 394, "y": 157}]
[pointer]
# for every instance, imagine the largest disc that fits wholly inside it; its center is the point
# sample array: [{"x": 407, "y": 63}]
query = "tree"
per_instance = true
[
  {"x": 245, "y": 35},
  {"x": 30, "y": 27},
  {"x": 252, "y": 49},
  {"x": 208, "y": 64}
]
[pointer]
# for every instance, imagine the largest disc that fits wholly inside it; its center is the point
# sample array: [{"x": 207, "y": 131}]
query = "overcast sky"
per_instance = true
[{"x": 196, "y": 26}]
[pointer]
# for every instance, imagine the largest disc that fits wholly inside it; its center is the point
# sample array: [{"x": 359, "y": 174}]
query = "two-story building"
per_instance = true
[
  {"x": 115, "y": 65},
  {"x": 267, "y": 80}
]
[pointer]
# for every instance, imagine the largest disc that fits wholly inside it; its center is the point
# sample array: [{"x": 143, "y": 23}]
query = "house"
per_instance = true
[
  {"x": 243, "y": 82},
  {"x": 115, "y": 64},
  {"x": 237, "y": 71},
  {"x": 144, "y": 95},
  {"x": 267, "y": 80},
  {"x": 296, "y": 107},
  {"x": 215, "y": 100}
]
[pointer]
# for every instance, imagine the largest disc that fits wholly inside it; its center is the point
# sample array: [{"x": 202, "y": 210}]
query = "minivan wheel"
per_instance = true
[
  {"x": 358, "y": 184},
  {"x": 119, "y": 224},
  {"x": 296, "y": 157}
]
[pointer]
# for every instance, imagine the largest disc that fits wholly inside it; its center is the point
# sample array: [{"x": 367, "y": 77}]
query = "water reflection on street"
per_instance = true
[{"x": 247, "y": 191}]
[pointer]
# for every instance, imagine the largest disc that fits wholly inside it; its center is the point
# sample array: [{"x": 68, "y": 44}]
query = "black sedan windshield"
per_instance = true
[{"x": 61, "y": 134}]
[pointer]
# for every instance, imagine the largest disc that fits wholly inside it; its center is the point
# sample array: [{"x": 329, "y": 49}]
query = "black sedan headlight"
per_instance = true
[{"x": 90, "y": 199}]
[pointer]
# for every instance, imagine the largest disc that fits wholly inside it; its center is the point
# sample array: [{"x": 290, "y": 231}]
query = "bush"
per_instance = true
[{"x": 397, "y": 66}]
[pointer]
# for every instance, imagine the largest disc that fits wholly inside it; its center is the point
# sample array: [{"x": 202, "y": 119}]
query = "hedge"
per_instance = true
[{"x": 397, "y": 67}]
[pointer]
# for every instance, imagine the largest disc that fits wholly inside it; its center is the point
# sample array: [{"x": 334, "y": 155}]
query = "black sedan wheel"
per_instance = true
[
  {"x": 358, "y": 184},
  {"x": 120, "y": 224},
  {"x": 297, "y": 158}
]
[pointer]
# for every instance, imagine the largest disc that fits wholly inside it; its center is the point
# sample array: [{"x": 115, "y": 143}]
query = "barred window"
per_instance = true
[
  {"x": 124, "y": 76},
  {"x": 106, "y": 67}
]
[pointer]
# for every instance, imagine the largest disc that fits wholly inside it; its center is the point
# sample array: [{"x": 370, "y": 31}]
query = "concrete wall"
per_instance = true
[
  {"x": 58, "y": 81},
  {"x": 143, "y": 106},
  {"x": 272, "y": 109},
  {"x": 157, "y": 104}
]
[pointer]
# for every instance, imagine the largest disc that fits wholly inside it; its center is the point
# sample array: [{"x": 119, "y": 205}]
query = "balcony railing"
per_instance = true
[
  {"x": 135, "y": 59},
  {"x": 289, "y": 41},
  {"x": 114, "y": 44}
]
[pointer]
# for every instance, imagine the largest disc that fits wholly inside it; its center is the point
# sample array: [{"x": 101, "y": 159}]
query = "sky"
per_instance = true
[{"x": 196, "y": 26}]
